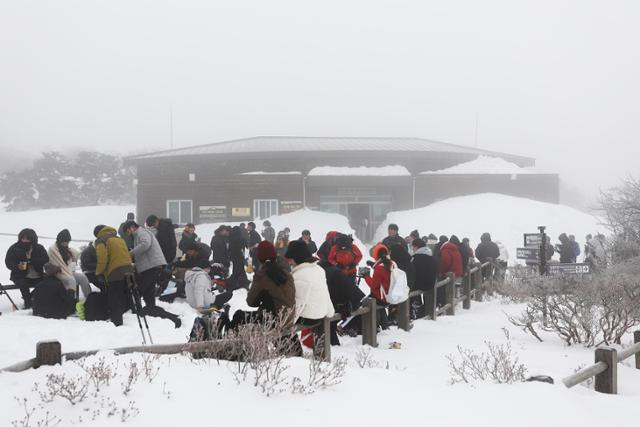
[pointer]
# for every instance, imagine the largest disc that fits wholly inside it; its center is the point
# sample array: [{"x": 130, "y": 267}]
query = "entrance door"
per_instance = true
[{"x": 365, "y": 213}]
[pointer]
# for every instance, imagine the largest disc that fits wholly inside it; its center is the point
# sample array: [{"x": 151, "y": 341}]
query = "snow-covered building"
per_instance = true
[{"x": 362, "y": 178}]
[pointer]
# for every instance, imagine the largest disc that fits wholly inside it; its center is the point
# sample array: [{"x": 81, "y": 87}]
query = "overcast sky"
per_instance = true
[{"x": 555, "y": 80}]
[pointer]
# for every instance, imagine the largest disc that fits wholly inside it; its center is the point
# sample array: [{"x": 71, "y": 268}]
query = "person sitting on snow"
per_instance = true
[
  {"x": 50, "y": 298},
  {"x": 199, "y": 292},
  {"x": 66, "y": 257}
]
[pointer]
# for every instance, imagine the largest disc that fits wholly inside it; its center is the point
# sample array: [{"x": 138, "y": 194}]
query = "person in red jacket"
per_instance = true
[
  {"x": 380, "y": 281},
  {"x": 345, "y": 255},
  {"x": 450, "y": 260}
]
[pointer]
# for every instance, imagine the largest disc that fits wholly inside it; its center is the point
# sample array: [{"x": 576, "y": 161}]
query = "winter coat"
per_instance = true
[
  {"x": 311, "y": 245},
  {"x": 269, "y": 234},
  {"x": 219, "y": 249},
  {"x": 89, "y": 259},
  {"x": 51, "y": 300},
  {"x": 381, "y": 279},
  {"x": 35, "y": 255},
  {"x": 283, "y": 297},
  {"x": 567, "y": 254},
  {"x": 395, "y": 240},
  {"x": 146, "y": 252},
  {"x": 245, "y": 236},
  {"x": 401, "y": 257},
  {"x": 198, "y": 288},
  {"x": 203, "y": 254},
  {"x": 254, "y": 238},
  {"x": 166, "y": 238},
  {"x": 450, "y": 260},
  {"x": 112, "y": 254},
  {"x": 576, "y": 249},
  {"x": 426, "y": 268},
  {"x": 487, "y": 249},
  {"x": 467, "y": 253},
  {"x": 312, "y": 294},
  {"x": 55, "y": 258},
  {"x": 346, "y": 260},
  {"x": 342, "y": 290},
  {"x": 186, "y": 239},
  {"x": 325, "y": 247}
]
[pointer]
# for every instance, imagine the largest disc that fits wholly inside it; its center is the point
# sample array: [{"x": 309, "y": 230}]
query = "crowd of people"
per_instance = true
[{"x": 131, "y": 267}]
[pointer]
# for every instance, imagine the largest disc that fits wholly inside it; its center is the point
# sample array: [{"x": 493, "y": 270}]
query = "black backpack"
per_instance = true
[{"x": 96, "y": 307}]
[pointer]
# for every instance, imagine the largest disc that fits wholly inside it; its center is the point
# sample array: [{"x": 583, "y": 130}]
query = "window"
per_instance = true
[
  {"x": 265, "y": 208},
  {"x": 180, "y": 211}
]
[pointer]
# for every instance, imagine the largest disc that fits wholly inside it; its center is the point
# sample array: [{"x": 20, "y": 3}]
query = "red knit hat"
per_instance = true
[{"x": 266, "y": 251}]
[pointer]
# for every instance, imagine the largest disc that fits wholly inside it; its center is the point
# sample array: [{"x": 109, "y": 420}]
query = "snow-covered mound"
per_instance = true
[
  {"x": 395, "y": 170},
  {"x": 484, "y": 165},
  {"x": 507, "y": 218}
]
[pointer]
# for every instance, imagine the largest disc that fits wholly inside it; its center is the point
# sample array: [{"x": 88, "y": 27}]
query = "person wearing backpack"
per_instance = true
[{"x": 345, "y": 255}]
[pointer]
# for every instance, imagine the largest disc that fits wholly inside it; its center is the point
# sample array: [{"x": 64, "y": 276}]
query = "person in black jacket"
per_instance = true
[
  {"x": 345, "y": 296},
  {"x": 487, "y": 249},
  {"x": 393, "y": 237},
  {"x": 311, "y": 245},
  {"x": 254, "y": 241},
  {"x": 89, "y": 260},
  {"x": 166, "y": 236},
  {"x": 400, "y": 255},
  {"x": 219, "y": 246},
  {"x": 426, "y": 273},
  {"x": 237, "y": 245},
  {"x": 50, "y": 298},
  {"x": 26, "y": 259},
  {"x": 195, "y": 255},
  {"x": 566, "y": 249},
  {"x": 188, "y": 235}
]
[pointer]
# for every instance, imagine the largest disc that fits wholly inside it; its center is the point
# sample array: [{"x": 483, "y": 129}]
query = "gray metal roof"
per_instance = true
[{"x": 270, "y": 144}]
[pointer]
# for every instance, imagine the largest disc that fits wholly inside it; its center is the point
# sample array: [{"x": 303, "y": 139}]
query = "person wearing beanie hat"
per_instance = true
[
  {"x": 312, "y": 293},
  {"x": 306, "y": 237},
  {"x": 272, "y": 289},
  {"x": 66, "y": 258}
]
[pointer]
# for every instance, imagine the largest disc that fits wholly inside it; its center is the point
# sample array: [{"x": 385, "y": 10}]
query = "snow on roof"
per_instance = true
[
  {"x": 395, "y": 170},
  {"x": 484, "y": 165},
  {"x": 271, "y": 173}
]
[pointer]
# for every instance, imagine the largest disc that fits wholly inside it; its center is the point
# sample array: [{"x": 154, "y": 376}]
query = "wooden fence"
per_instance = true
[
  {"x": 477, "y": 281},
  {"x": 605, "y": 370}
]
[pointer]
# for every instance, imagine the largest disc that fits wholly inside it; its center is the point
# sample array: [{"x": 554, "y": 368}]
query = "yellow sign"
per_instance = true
[{"x": 241, "y": 212}]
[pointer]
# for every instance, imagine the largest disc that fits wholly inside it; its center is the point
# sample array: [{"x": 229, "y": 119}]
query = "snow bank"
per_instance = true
[
  {"x": 507, "y": 218},
  {"x": 271, "y": 173},
  {"x": 484, "y": 165},
  {"x": 395, "y": 170}
]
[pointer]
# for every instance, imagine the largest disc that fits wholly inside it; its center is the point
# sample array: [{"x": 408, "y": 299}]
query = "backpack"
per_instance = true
[
  {"x": 398, "y": 288},
  {"x": 96, "y": 307}
]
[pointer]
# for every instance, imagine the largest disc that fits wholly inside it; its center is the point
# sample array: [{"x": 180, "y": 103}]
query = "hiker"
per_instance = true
[
  {"x": 113, "y": 264},
  {"x": 198, "y": 289},
  {"x": 254, "y": 240},
  {"x": 268, "y": 233},
  {"x": 311, "y": 245},
  {"x": 51, "y": 299},
  {"x": 163, "y": 230},
  {"x": 487, "y": 250},
  {"x": 65, "y": 257},
  {"x": 220, "y": 246},
  {"x": 566, "y": 249},
  {"x": 89, "y": 259},
  {"x": 237, "y": 245},
  {"x": 149, "y": 262},
  {"x": 188, "y": 236},
  {"x": 426, "y": 273},
  {"x": 345, "y": 255},
  {"x": 380, "y": 281},
  {"x": 392, "y": 238},
  {"x": 122, "y": 232},
  {"x": 26, "y": 259},
  {"x": 272, "y": 289},
  {"x": 576, "y": 247},
  {"x": 327, "y": 245}
]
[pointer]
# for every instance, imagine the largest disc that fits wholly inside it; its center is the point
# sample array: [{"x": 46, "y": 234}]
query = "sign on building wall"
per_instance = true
[
  {"x": 290, "y": 206},
  {"x": 212, "y": 213},
  {"x": 241, "y": 212}
]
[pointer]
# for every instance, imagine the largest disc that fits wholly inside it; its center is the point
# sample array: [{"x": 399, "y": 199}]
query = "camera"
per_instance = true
[{"x": 364, "y": 271}]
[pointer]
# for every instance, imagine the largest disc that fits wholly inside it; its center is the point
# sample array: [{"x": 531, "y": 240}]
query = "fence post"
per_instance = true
[
  {"x": 636, "y": 339},
  {"x": 607, "y": 382},
  {"x": 466, "y": 290},
  {"x": 48, "y": 353},
  {"x": 403, "y": 313},
  {"x": 450, "y": 294},
  {"x": 370, "y": 323},
  {"x": 477, "y": 283},
  {"x": 430, "y": 302},
  {"x": 492, "y": 271},
  {"x": 326, "y": 340}
]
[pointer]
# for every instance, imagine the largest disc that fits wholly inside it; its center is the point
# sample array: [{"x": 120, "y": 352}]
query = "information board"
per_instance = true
[
  {"x": 212, "y": 213},
  {"x": 570, "y": 268}
]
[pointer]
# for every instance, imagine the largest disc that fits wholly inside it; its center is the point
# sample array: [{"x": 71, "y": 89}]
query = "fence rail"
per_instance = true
[
  {"x": 473, "y": 286},
  {"x": 605, "y": 368}
]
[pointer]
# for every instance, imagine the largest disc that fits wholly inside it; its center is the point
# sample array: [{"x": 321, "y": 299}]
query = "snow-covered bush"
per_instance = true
[{"x": 499, "y": 365}]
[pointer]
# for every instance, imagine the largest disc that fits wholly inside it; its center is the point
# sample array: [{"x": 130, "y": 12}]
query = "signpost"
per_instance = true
[
  {"x": 532, "y": 240},
  {"x": 530, "y": 254},
  {"x": 570, "y": 268}
]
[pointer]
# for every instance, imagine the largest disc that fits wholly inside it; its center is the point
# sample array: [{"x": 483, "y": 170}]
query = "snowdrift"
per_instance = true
[
  {"x": 484, "y": 165},
  {"x": 507, "y": 218}
]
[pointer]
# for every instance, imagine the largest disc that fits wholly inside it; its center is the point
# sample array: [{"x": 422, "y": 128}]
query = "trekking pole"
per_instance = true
[
  {"x": 4, "y": 291},
  {"x": 138, "y": 304}
]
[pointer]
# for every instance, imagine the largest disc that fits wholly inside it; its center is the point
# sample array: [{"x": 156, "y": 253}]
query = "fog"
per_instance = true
[{"x": 555, "y": 80}]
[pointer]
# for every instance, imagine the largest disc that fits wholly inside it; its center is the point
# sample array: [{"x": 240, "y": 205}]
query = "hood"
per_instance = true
[
  {"x": 192, "y": 274},
  {"x": 29, "y": 234},
  {"x": 376, "y": 249},
  {"x": 330, "y": 236},
  {"x": 485, "y": 238},
  {"x": 107, "y": 232},
  {"x": 425, "y": 250},
  {"x": 564, "y": 239}
]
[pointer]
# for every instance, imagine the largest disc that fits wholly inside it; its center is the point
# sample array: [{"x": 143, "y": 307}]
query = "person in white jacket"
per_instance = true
[
  {"x": 312, "y": 293},
  {"x": 200, "y": 294},
  {"x": 66, "y": 258}
]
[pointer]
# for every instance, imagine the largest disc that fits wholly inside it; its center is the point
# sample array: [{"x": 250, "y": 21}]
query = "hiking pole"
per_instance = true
[
  {"x": 4, "y": 291},
  {"x": 138, "y": 302},
  {"x": 136, "y": 305}
]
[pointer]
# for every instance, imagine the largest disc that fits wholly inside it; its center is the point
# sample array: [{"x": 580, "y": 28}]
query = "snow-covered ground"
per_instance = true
[
  {"x": 507, "y": 218},
  {"x": 410, "y": 386}
]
